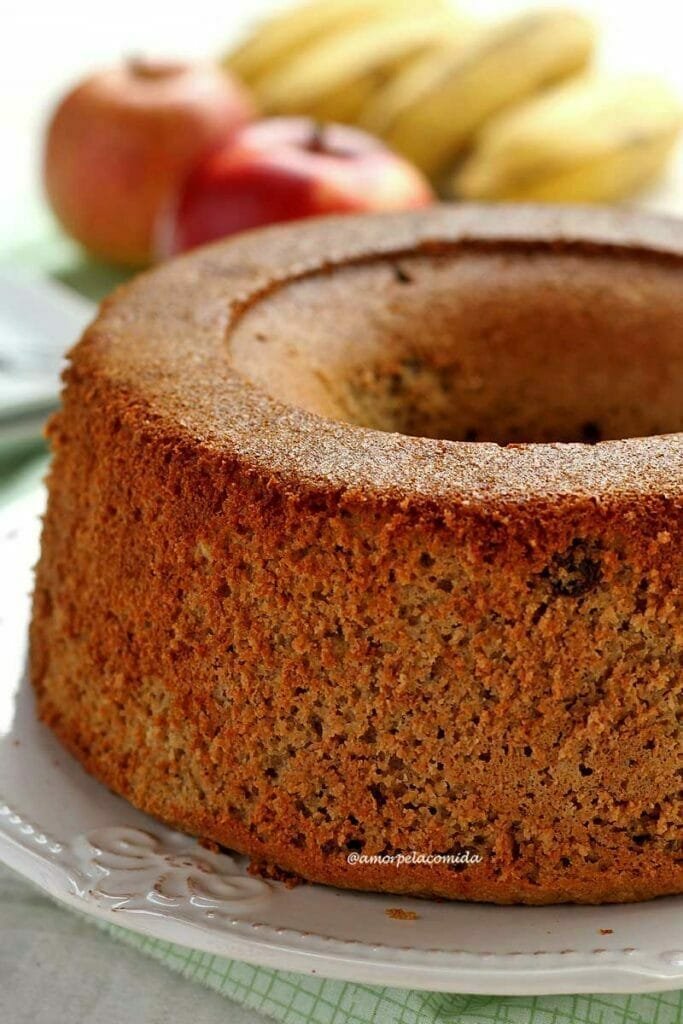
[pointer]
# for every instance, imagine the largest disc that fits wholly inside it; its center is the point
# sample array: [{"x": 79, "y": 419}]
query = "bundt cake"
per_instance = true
[{"x": 364, "y": 552}]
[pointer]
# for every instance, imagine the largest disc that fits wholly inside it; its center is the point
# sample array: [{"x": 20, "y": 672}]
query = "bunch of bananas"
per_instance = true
[
  {"x": 588, "y": 140},
  {"x": 502, "y": 111}
]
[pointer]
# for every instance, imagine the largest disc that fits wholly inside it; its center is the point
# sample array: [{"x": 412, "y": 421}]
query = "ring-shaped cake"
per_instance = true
[{"x": 364, "y": 552}]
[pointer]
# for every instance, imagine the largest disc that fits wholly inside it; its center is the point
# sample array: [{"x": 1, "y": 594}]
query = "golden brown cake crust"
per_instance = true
[{"x": 269, "y": 620}]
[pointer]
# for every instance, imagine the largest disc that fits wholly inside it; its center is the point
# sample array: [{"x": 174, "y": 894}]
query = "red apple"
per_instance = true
[
  {"x": 119, "y": 144},
  {"x": 286, "y": 168}
]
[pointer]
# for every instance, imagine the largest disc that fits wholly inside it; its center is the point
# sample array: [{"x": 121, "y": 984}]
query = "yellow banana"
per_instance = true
[
  {"x": 433, "y": 110},
  {"x": 278, "y": 40},
  {"x": 588, "y": 141},
  {"x": 334, "y": 78}
]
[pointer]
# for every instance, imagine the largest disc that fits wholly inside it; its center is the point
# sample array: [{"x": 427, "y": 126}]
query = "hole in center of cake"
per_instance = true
[{"x": 501, "y": 346}]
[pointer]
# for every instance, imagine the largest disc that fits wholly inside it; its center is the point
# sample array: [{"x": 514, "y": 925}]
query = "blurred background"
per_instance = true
[{"x": 47, "y": 47}]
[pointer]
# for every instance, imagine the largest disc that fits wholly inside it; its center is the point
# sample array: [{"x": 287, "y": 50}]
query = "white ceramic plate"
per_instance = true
[{"x": 91, "y": 850}]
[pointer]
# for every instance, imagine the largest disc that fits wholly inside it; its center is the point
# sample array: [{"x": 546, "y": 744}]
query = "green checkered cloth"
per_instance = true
[{"x": 282, "y": 995}]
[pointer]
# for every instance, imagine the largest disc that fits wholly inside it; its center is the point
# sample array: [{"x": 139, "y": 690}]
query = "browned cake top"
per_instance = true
[{"x": 458, "y": 353}]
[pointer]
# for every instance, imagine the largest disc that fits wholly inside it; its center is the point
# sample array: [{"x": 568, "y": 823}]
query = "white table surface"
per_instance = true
[{"x": 54, "y": 967}]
